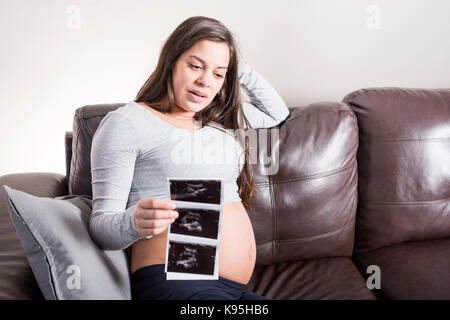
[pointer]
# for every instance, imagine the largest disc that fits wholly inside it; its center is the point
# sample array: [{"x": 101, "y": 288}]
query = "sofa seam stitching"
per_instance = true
[{"x": 326, "y": 235}]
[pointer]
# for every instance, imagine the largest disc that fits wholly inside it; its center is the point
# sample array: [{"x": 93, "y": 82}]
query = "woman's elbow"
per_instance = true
[{"x": 94, "y": 232}]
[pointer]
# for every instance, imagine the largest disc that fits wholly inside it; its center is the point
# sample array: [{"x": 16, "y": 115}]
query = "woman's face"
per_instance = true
[{"x": 202, "y": 68}]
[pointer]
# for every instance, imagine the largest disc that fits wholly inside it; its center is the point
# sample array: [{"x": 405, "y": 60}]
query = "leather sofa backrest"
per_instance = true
[
  {"x": 404, "y": 165},
  {"x": 85, "y": 122},
  {"x": 307, "y": 210}
]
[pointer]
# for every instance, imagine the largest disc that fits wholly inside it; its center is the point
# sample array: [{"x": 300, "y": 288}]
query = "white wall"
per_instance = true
[{"x": 54, "y": 61}]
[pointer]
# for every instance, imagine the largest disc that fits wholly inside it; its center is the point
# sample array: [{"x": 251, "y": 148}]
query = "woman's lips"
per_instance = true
[
  {"x": 198, "y": 92},
  {"x": 195, "y": 97}
]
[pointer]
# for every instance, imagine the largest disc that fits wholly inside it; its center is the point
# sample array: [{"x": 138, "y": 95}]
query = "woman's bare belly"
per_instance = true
[{"x": 237, "y": 250}]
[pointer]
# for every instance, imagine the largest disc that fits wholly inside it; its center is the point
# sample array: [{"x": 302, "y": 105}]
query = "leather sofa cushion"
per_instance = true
[
  {"x": 316, "y": 279},
  {"x": 411, "y": 270}
]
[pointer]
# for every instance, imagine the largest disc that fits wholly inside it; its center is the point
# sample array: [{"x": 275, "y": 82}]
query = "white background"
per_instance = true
[{"x": 54, "y": 61}]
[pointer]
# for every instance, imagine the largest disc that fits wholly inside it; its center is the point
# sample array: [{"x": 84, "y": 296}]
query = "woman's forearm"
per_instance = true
[{"x": 266, "y": 108}]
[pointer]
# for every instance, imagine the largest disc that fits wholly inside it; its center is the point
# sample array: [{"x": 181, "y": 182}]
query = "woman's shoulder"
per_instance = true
[
  {"x": 136, "y": 114},
  {"x": 130, "y": 109}
]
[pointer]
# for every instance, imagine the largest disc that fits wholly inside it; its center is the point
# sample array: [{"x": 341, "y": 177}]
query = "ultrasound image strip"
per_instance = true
[{"x": 193, "y": 239}]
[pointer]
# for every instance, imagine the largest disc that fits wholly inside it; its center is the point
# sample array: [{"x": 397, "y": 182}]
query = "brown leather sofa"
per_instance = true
[{"x": 359, "y": 207}]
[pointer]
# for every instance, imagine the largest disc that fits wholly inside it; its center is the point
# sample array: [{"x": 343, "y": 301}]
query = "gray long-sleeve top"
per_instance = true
[{"x": 134, "y": 151}]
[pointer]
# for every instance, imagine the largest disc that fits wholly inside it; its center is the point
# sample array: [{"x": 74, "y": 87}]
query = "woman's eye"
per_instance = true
[{"x": 198, "y": 67}]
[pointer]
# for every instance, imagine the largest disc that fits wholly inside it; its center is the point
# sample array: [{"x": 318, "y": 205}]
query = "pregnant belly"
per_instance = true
[{"x": 237, "y": 250}]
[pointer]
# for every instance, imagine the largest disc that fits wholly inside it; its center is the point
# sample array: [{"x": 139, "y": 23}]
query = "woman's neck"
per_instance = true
[{"x": 177, "y": 111}]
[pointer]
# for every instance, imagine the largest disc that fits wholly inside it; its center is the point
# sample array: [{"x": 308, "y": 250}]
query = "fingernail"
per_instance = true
[{"x": 174, "y": 205}]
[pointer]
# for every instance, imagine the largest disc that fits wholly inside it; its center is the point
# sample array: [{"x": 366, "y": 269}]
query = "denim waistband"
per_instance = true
[{"x": 156, "y": 272}]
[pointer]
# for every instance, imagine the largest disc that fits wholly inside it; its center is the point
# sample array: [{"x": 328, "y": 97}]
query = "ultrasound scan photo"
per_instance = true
[
  {"x": 197, "y": 222},
  {"x": 203, "y": 191},
  {"x": 191, "y": 258}
]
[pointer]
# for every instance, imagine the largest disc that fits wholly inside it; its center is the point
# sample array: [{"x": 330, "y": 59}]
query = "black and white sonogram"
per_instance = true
[
  {"x": 197, "y": 222},
  {"x": 204, "y": 191},
  {"x": 191, "y": 258}
]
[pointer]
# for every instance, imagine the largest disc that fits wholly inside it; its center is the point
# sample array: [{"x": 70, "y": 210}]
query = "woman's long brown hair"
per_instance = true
[{"x": 227, "y": 104}]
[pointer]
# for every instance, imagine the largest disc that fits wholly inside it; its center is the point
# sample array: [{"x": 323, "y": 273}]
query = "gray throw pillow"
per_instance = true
[{"x": 65, "y": 261}]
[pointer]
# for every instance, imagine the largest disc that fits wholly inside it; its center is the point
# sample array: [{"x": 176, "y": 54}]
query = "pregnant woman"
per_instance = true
[{"x": 192, "y": 98}]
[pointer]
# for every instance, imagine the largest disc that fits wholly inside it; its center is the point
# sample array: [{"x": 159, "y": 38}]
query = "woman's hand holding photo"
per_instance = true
[{"x": 152, "y": 216}]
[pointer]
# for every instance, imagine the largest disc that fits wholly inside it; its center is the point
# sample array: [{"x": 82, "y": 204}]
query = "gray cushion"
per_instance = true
[{"x": 65, "y": 261}]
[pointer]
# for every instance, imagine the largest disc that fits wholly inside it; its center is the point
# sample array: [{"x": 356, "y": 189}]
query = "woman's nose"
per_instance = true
[{"x": 204, "y": 80}]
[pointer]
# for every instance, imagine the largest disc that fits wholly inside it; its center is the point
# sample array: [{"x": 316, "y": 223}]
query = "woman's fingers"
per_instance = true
[
  {"x": 152, "y": 216},
  {"x": 159, "y": 230},
  {"x": 154, "y": 203},
  {"x": 155, "y": 224}
]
